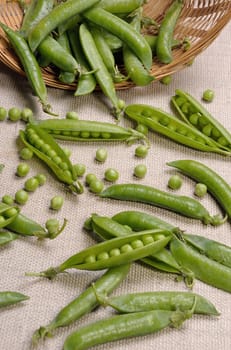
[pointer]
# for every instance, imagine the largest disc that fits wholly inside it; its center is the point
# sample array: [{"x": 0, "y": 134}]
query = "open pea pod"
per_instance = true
[
  {"x": 47, "y": 149},
  {"x": 7, "y": 237},
  {"x": 193, "y": 113},
  {"x": 8, "y": 214}
]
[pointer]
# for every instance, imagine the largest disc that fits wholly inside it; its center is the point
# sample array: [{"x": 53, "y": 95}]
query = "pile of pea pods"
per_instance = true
[{"x": 85, "y": 42}]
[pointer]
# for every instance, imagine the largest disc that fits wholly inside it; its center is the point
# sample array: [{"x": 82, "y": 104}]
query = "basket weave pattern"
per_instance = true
[{"x": 201, "y": 21}]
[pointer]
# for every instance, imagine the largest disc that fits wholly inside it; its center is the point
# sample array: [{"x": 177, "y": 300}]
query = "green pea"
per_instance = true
[
  {"x": 95, "y": 134},
  {"x": 194, "y": 118},
  {"x": 26, "y": 153},
  {"x": 208, "y": 95},
  {"x": 72, "y": 115},
  {"x": 126, "y": 248},
  {"x": 31, "y": 184},
  {"x": 52, "y": 226},
  {"x": 185, "y": 107},
  {"x": 147, "y": 239},
  {"x": 111, "y": 175},
  {"x": 46, "y": 148},
  {"x": 79, "y": 169},
  {"x": 26, "y": 114},
  {"x": 140, "y": 171},
  {"x": 7, "y": 199},
  {"x": 56, "y": 202},
  {"x": 166, "y": 80},
  {"x": 143, "y": 129},
  {"x": 3, "y": 113},
  {"x": 51, "y": 153},
  {"x": 90, "y": 259},
  {"x": 141, "y": 151},
  {"x": 136, "y": 244},
  {"x": 222, "y": 141},
  {"x": 10, "y": 212},
  {"x": 180, "y": 100},
  {"x": 14, "y": 114},
  {"x": 96, "y": 186},
  {"x": 101, "y": 155},
  {"x": 114, "y": 252},
  {"x": 103, "y": 256},
  {"x": 41, "y": 179},
  {"x": 85, "y": 134},
  {"x": 63, "y": 166},
  {"x": 22, "y": 169},
  {"x": 57, "y": 160},
  {"x": 207, "y": 129},
  {"x": 175, "y": 182},
  {"x": 164, "y": 120},
  {"x": 200, "y": 190},
  {"x": 90, "y": 177},
  {"x": 21, "y": 197},
  {"x": 106, "y": 135}
]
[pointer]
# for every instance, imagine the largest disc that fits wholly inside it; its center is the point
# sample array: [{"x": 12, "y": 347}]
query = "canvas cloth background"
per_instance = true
[{"x": 212, "y": 69}]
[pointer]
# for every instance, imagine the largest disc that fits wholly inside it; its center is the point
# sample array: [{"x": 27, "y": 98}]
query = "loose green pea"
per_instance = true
[
  {"x": 72, "y": 115},
  {"x": 31, "y": 184},
  {"x": 56, "y": 202},
  {"x": 80, "y": 169},
  {"x": 141, "y": 151},
  {"x": 96, "y": 186},
  {"x": 22, "y": 169},
  {"x": 208, "y": 95},
  {"x": 101, "y": 155},
  {"x": 52, "y": 226},
  {"x": 41, "y": 179},
  {"x": 3, "y": 113},
  {"x": 175, "y": 182},
  {"x": 111, "y": 175},
  {"x": 14, "y": 114},
  {"x": 26, "y": 153},
  {"x": 166, "y": 80},
  {"x": 90, "y": 177},
  {"x": 200, "y": 190},
  {"x": 140, "y": 171},
  {"x": 21, "y": 197},
  {"x": 7, "y": 199},
  {"x": 26, "y": 114},
  {"x": 143, "y": 129}
]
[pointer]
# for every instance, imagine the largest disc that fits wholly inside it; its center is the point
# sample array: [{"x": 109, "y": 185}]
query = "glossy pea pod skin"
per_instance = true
[
  {"x": 204, "y": 269},
  {"x": 46, "y": 148},
  {"x": 114, "y": 252},
  {"x": 10, "y": 297},
  {"x": 194, "y": 113},
  {"x": 216, "y": 185},
  {"x": 165, "y": 34},
  {"x": 8, "y": 214},
  {"x": 182, "y": 205},
  {"x": 7, "y": 237},
  {"x": 86, "y": 130},
  {"x": 171, "y": 127},
  {"x": 59, "y": 14},
  {"x": 85, "y": 302}
]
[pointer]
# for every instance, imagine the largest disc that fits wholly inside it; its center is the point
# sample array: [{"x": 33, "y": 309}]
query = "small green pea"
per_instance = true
[
  {"x": 200, "y": 190},
  {"x": 208, "y": 95},
  {"x": 72, "y": 115},
  {"x": 140, "y": 171},
  {"x": 56, "y": 202},
  {"x": 101, "y": 155},
  {"x": 79, "y": 169},
  {"x": 31, "y": 184},
  {"x": 126, "y": 248},
  {"x": 90, "y": 259},
  {"x": 175, "y": 182},
  {"x": 10, "y": 212},
  {"x": 90, "y": 177},
  {"x": 166, "y": 80},
  {"x": 21, "y": 197},
  {"x": 3, "y": 113},
  {"x": 26, "y": 114},
  {"x": 141, "y": 151},
  {"x": 103, "y": 256},
  {"x": 147, "y": 239},
  {"x": 14, "y": 114},
  {"x": 137, "y": 243},
  {"x": 85, "y": 134},
  {"x": 143, "y": 129},
  {"x": 111, "y": 175},
  {"x": 26, "y": 153},
  {"x": 96, "y": 186},
  {"x": 114, "y": 252},
  {"x": 7, "y": 199},
  {"x": 52, "y": 226},
  {"x": 106, "y": 135},
  {"x": 41, "y": 179},
  {"x": 22, "y": 169}
]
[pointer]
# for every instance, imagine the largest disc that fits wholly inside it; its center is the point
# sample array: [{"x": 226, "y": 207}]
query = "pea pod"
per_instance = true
[
  {"x": 216, "y": 185},
  {"x": 166, "y": 124},
  {"x": 115, "y": 252},
  {"x": 46, "y": 148},
  {"x": 6, "y": 237},
  {"x": 83, "y": 303},
  {"x": 182, "y": 205},
  {"x": 86, "y": 130},
  {"x": 8, "y": 213},
  {"x": 193, "y": 113},
  {"x": 120, "y": 6},
  {"x": 9, "y": 298}
]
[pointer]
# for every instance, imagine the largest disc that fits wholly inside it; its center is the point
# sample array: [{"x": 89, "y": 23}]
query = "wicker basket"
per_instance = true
[{"x": 201, "y": 21}]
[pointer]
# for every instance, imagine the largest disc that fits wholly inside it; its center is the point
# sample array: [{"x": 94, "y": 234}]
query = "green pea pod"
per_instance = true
[
  {"x": 86, "y": 130},
  {"x": 204, "y": 269},
  {"x": 113, "y": 41},
  {"x": 216, "y": 185},
  {"x": 7, "y": 237},
  {"x": 9, "y": 298},
  {"x": 193, "y": 113},
  {"x": 83, "y": 303},
  {"x": 8, "y": 213},
  {"x": 163, "y": 300},
  {"x": 120, "y": 6},
  {"x": 1, "y": 167},
  {"x": 166, "y": 124},
  {"x": 182, "y": 205},
  {"x": 210, "y": 248},
  {"x": 46, "y": 148},
  {"x": 115, "y": 252}
]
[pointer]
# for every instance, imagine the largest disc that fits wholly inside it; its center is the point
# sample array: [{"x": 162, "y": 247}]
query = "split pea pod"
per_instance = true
[
  {"x": 171, "y": 127},
  {"x": 10, "y": 297},
  {"x": 86, "y": 130},
  {"x": 182, "y": 205},
  {"x": 85, "y": 302},
  {"x": 47, "y": 149},
  {"x": 59, "y": 14},
  {"x": 7, "y": 237},
  {"x": 122, "y": 327},
  {"x": 114, "y": 252},
  {"x": 204, "y": 268},
  {"x": 8, "y": 213},
  {"x": 193, "y": 113},
  {"x": 165, "y": 34},
  {"x": 217, "y": 186}
]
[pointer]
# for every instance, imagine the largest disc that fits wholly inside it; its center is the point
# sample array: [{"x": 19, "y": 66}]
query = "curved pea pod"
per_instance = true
[
  {"x": 204, "y": 269},
  {"x": 182, "y": 205},
  {"x": 114, "y": 252},
  {"x": 194, "y": 113},
  {"x": 120, "y": 6},
  {"x": 216, "y": 185},
  {"x": 7, "y": 237},
  {"x": 86, "y": 130},
  {"x": 9, "y": 298},
  {"x": 8, "y": 213},
  {"x": 171, "y": 127},
  {"x": 210, "y": 248},
  {"x": 161, "y": 300},
  {"x": 46, "y": 148}
]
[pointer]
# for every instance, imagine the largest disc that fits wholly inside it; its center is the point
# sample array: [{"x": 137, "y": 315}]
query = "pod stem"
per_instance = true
[
  {"x": 49, "y": 273},
  {"x": 217, "y": 220},
  {"x": 178, "y": 317},
  {"x": 40, "y": 334}
]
